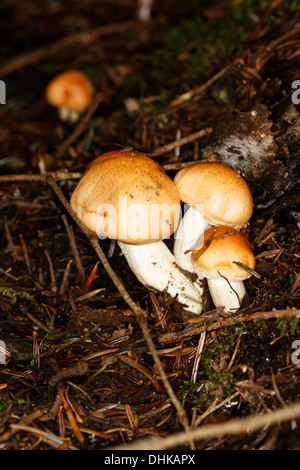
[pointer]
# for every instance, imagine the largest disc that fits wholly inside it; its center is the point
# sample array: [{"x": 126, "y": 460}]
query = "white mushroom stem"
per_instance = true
[
  {"x": 189, "y": 230},
  {"x": 155, "y": 267},
  {"x": 227, "y": 294},
  {"x": 67, "y": 114}
]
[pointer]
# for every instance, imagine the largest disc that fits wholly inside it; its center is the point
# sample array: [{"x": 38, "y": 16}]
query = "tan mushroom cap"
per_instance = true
[
  {"x": 127, "y": 196},
  {"x": 71, "y": 89},
  {"x": 220, "y": 258},
  {"x": 220, "y": 194}
]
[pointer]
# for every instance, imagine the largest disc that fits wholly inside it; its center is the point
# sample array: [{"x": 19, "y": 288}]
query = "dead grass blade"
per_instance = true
[
  {"x": 71, "y": 419},
  {"x": 142, "y": 369}
]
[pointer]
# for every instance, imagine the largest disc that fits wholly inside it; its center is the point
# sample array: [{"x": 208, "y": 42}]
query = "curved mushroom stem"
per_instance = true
[
  {"x": 189, "y": 230},
  {"x": 67, "y": 114},
  {"x": 155, "y": 267},
  {"x": 227, "y": 294}
]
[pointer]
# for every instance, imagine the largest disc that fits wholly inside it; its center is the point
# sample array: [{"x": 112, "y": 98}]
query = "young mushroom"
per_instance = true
[
  {"x": 126, "y": 196},
  {"x": 217, "y": 195},
  {"x": 71, "y": 92},
  {"x": 225, "y": 258}
]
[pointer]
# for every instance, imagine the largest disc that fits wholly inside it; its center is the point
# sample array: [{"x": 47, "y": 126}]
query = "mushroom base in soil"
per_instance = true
[
  {"x": 227, "y": 294},
  {"x": 155, "y": 267},
  {"x": 68, "y": 115},
  {"x": 224, "y": 293},
  {"x": 225, "y": 259}
]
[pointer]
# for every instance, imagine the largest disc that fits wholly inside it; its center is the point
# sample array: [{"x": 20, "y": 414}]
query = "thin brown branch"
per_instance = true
[
  {"x": 81, "y": 37},
  {"x": 183, "y": 141},
  {"x": 78, "y": 369},
  {"x": 28, "y": 419},
  {"x": 56, "y": 175},
  {"x": 74, "y": 248},
  {"x": 179, "y": 165},
  {"x": 51, "y": 439},
  {"x": 187, "y": 96},
  {"x": 291, "y": 313},
  {"x": 62, "y": 175}
]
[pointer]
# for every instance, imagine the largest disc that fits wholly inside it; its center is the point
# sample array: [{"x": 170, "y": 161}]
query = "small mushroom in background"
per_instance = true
[
  {"x": 126, "y": 196},
  {"x": 217, "y": 195},
  {"x": 221, "y": 257},
  {"x": 71, "y": 92}
]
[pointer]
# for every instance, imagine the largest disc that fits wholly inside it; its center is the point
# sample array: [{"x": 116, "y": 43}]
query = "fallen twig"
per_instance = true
[
  {"x": 230, "y": 321},
  {"x": 231, "y": 427},
  {"x": 184, "y": 140},
  {"x": 81, "y": 37},
  {"x": 42, "y": 177},
  {"x": 62, "y": 175},
  {"x": 51, "y": 439},
  {"x": 74, "y": 248},
  {"x": 78, "y": 369},
  {"x": 187, "y": 96},
  {"x": 28, "y": 419}
]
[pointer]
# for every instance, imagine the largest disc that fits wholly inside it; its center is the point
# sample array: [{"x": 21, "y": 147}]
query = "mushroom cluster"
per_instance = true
[
  {"x": 127, "y": 196},
  {"x": 208, "y": 241}
]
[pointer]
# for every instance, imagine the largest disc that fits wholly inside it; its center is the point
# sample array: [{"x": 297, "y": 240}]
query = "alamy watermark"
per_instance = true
[
  {"x": 4, "y": 354},
  {"x": 134, "y": 221},
  {"x": 296, "y": 94},
  {"x": 295, "y": 356},
  {"x": 2, "y": 92}
]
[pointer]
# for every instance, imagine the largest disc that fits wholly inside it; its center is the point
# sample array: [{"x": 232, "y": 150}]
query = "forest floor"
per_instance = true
[{"x": 79, "y": 368}]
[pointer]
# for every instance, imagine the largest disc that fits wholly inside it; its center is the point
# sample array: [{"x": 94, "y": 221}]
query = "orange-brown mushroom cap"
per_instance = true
[
  {"x": 226, "y": 247},
  {"x": 220, "y": 194},
  {"x": 127, "y": 196},
  {"x": 71, "y": 89}
]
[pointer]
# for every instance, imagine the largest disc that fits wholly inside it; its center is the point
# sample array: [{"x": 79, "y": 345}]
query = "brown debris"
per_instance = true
[{"x": 107, "y": 317}]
